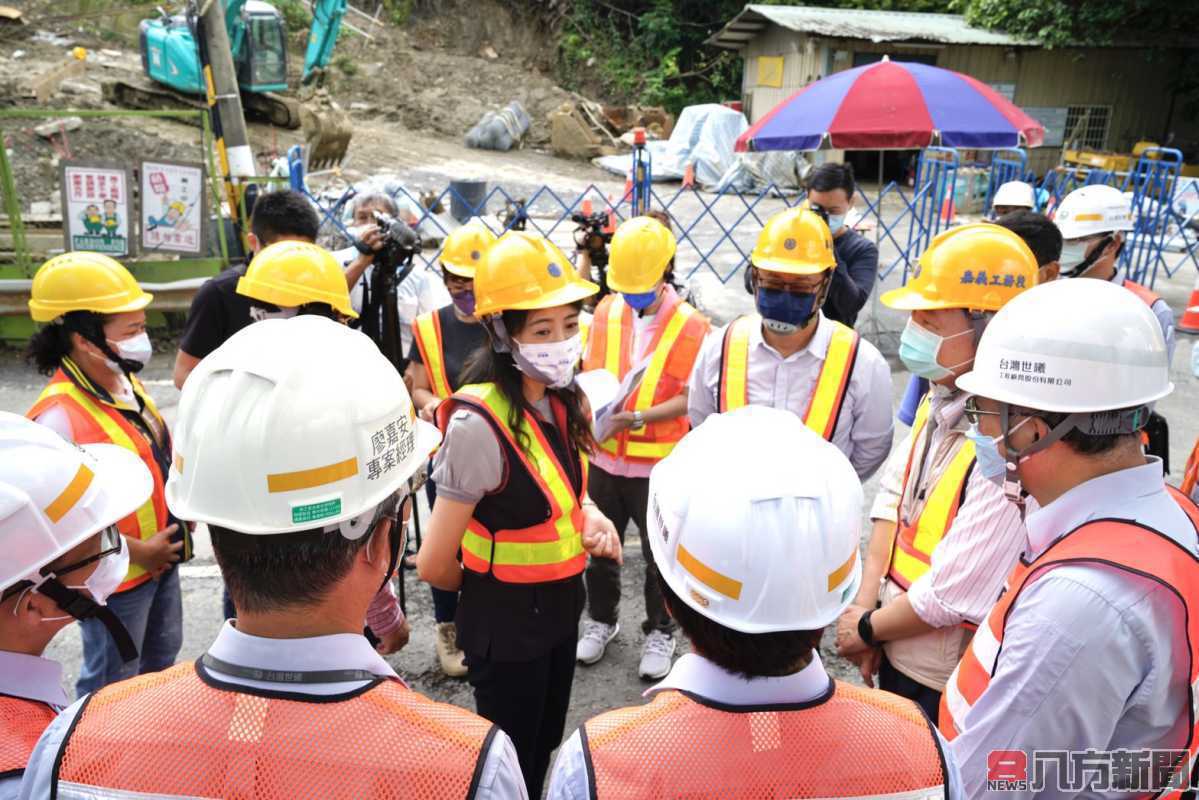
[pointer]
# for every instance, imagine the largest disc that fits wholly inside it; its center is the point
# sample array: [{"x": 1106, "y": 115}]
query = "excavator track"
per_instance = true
[{"x": 144, "y": 94}]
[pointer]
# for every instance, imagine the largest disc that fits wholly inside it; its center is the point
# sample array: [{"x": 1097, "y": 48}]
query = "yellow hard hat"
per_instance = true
[
  {"x": 796, "y": 241},
  {"x": 292, "y": 273},
  {"x": 979, "y": 266},
  {"x": 464, "y": 249},
  {"x": 524, "y": 271},
  {"x": 84, "y": 281},
  {"x": 637, "y": 258}
]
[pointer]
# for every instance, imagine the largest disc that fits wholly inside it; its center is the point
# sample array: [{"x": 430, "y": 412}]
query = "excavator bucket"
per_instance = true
[{"x": 327, "y": 131}]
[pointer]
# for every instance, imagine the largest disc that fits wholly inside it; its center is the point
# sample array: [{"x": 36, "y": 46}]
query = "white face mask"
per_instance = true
[
  {"x": 556, "y": 361},
  {"x": 1073, "y": 254},
  {"x": 103, "y": 581},
  {"x": 135, "y": 348}
]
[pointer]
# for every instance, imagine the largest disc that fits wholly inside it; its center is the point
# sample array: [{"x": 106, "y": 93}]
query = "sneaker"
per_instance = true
[
  {"x": 656, "y": 654},
  {"x": 453, "y": 660},
  {"x": 594, "y": 640}
]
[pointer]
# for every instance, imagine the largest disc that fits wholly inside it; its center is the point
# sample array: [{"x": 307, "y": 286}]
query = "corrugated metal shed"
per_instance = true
[{"x": 874, "y": 26}]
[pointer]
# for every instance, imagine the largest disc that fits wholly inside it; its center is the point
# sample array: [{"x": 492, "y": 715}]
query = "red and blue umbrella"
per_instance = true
[{"x": 893, "y": 105}]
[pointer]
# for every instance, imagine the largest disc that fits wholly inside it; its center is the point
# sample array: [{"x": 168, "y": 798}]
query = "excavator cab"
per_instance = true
[{"x": 262, "y": 61}]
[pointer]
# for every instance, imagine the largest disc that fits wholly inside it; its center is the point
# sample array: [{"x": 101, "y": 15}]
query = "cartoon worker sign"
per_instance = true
[
  {"x": 172, "y": 207},
  {"x": 96, "y": 205}
]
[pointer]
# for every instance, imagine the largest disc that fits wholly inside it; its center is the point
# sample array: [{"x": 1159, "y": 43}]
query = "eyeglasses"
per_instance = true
[
  {"x": 974, "y": 414},
  {"x": 110, "y": 544},
  {"x": 794, "y": 287}
]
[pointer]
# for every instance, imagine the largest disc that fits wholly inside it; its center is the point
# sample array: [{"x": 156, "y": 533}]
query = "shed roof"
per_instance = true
[{"x": 849, "y": 23}]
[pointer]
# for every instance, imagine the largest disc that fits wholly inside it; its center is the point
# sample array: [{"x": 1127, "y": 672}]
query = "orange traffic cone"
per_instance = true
[
  {"x": 689, "y": 176},
  {"x": 1190, "y": 318},
  {"x": 627, "y": 197},
  {"x": 948, "y": 212},
  {"x": 586, "y": 209}
]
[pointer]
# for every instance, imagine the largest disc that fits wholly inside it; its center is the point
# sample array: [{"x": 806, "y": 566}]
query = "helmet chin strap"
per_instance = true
[
  {"x": 93, "y": 332},
  {"x": 82, "y": 607},
  {"x": 502, "y": 342}
]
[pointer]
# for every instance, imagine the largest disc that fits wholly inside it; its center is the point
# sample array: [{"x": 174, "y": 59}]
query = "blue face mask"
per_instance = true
[
  {"x": 918, "y": 349},
  {"x": 991, "y": 464},
  {"x": 640, "y": 302},
  {"x": 785, "y": 312},
  {"x": 835, "y": 223}
]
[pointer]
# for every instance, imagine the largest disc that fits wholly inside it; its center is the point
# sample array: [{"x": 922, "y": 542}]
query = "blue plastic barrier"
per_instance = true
[{"x": 1006, "y": 165}]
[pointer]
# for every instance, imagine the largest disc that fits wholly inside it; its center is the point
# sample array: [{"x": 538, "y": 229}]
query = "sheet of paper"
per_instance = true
[{"x": 603, "y": 426}]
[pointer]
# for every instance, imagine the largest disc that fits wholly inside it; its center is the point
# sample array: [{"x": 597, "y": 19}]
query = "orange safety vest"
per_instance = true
[
  {"x": 21, "y": 724},
  {"x": 1191, "y": 475},
  {"x": 427, "y": 332},
  {"x": 855, "y": 743},
  {"x": 1148, "y": 296},
  {"x": 915, "y": 539},
  {"x": 824, "y": 407},
  {"x": 1113, "y": 543},
  {"x": 551, "y": 550},
  {"x": 95, "y": 420},
  {"x": 175, "y": 734},
  {"x": 674, "y": 350}
]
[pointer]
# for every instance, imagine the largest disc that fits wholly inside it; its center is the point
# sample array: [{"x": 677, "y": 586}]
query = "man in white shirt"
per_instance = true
[
  {"x": 63, "y": 556},
  {"x": 944, "y": 536},
  {"x": 1088, "y": 653},
  {"x": 298, "y": 445},
  {"x": 754, "y": 563},
  {"x": 791, "y": 356}
]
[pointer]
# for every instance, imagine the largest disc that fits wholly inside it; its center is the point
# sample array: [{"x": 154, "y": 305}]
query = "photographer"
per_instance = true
[
  {"x": 830, "y": 193},
  {"x": 417, "y": 294}
]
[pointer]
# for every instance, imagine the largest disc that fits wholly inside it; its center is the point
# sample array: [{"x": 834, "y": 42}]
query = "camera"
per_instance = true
[
  {"x": 393, "y": 263},
  {"x": 400, "y": 242}
]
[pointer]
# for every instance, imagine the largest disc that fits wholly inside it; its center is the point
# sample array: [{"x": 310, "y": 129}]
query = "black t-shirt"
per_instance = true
[
  {"x": 217, "y": 312},
  {"x": 459, "y": 340}
]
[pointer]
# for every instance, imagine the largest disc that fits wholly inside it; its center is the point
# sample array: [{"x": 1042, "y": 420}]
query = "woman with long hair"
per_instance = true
[{"x": 512, "y": 497}]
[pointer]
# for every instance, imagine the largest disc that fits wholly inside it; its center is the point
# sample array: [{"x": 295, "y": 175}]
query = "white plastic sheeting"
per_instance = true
[{"x": 704, "y": 136}]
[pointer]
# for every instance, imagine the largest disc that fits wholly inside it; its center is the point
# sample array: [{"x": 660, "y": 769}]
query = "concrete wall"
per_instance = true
[{"x": 1124, "y": 79}]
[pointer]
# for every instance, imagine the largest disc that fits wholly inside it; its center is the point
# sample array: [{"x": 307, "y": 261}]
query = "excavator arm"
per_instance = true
[{"x": 322, "y": 37}]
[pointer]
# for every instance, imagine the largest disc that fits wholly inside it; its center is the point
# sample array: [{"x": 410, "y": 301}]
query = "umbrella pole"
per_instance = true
[{"x": 877, "y": 237}]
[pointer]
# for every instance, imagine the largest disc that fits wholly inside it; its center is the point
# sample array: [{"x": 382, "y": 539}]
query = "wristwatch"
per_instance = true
[
  {"x": 866, "y": 630},
  {"x": 638, "y": 419}
]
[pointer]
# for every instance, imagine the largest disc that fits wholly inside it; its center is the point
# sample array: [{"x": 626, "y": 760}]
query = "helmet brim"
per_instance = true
[
  {"x": 565, "y": 295},
  {"x": 981, "y": 386},
  {"x": 41, "y": 311},
  {"x": 461, "y": 272},
  {"x": 905, "y": 298},
  {"x": 790, "y": 267}
]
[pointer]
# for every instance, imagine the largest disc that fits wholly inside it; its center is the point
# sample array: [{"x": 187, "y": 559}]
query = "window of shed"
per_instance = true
[{"x": 1086, "y": 126}]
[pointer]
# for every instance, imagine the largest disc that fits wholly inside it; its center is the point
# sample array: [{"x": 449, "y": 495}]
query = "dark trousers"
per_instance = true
[
  {"x": 528, "y": 701},
  {"x": 894, "y": 681},
  {"x": 620, "y": 500}
]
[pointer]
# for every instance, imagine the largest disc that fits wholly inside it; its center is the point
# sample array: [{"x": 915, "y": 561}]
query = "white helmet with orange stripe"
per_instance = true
[
  {"x": 55, "y": 498},
  {"x": 768, "y": 545},
  {"x": 295, "y": 425}
]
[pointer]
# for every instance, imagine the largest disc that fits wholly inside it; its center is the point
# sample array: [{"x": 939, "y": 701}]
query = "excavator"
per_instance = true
[{"x": 258, "y": 43}]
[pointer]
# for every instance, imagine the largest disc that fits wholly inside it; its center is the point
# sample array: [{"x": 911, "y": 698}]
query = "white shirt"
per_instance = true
[
  {"x": 500, "y": 778},
  {"x": 986, "y": 536},
  {"x": 864, "y": 430},
  {"x": 420, "y": 292},
  {"x": 1093, "y": 656},
  {"x": 30, "y": 678},
  {"x": 697, "y": 675}
]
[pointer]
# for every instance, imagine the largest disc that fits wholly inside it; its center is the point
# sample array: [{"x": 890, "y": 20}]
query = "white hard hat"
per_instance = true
[
  {"x": 1072, "y": 347},
  {"x": 54, "y": 495},
  {"x": 1092, "y": 210},
  {"x": 755, "y": 521},
  {"x": 1014, "y": 193},
  {"x": 294, "y": 424}
]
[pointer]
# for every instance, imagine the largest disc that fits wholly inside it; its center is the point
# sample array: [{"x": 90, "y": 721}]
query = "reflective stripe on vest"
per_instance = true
[
  {"x": 95, "y": 422},
  {"x": 1191, "y": 476},
  {"x": 856, "y": 743},
  {"x": 674, "y": 351},
  {"x": 172, "y": 735},
  {"x": 427, "y": 332},
  {"x": 824, "y": 407},
  {"x": 21, "y": 724},
  {"x": 1113, "y": 543},
  {"x": 550, "y": 551},
  {"x": 915, "y": 540},
  {"x": 1147, "y": 295}
]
